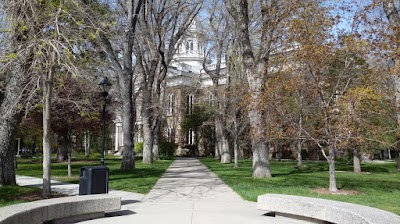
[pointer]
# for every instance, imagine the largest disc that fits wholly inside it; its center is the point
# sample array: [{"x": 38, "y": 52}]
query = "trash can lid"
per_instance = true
[{"x": 94, "y": 168}]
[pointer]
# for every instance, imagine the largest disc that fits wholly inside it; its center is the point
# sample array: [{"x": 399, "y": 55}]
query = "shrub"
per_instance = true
[
  {"x": 168, "y": 148},
  {"x": 138, "y": 147}
]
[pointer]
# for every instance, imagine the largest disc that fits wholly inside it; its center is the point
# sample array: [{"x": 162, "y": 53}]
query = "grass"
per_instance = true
[
  {"x": 12, "y": 194},
  {"x": 139, "y": 180},
  {"x": 379, "y": 187}
]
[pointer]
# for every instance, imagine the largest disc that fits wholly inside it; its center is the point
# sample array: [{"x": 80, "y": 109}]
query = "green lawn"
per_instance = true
[
  {"x": 15, "y": 194},
  {"x": 379, "y": 187},
  {"x": 139, "y": 180}
]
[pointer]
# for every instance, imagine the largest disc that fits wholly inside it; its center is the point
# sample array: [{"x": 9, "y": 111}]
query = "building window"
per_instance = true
[
  {"x": 190, "y": 137},
  {"x": 170, "y": 134},
  {"x": 187, "y": 47},
  {"x": 211, "y": 99},
  {"x": 190, "y": 104},
  {"x": 170, "y": 110}
]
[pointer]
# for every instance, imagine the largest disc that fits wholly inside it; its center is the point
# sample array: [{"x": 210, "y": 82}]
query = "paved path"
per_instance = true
[{"x": 187, "y": 193}]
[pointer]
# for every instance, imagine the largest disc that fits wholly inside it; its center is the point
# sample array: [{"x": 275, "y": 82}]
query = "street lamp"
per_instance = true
[{"x": 105, "y": 86}]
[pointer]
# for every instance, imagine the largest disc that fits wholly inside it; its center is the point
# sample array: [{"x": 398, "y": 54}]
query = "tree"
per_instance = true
[
  {"x": 48, "y": 36},
  {"x": 218, "y": 42},
  {"x": 16, "y": 88},
  {"x": 290, "y": 101},
  {"x": 392, "y": 12},
  {"x": 238, "y": 122},
  {"x": 378, "y": 23},
  {"x": 121, "y": 57},
  {"x": 201, "y": 114},
  {"x": 269, "y": 22},
  {"x": 363, "y": 119},
  {"x": 75, "y": 110},
  {"x": 162, "y": 27},
  {"x": 314, "y": 55}
]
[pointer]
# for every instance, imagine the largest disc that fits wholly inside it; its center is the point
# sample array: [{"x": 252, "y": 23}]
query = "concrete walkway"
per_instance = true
[{"x": 187, "y": 193}]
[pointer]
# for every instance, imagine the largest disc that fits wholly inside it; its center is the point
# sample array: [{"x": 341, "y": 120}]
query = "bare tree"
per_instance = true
[
  {"x": 218, "y": 42},
  {"x": 120, "y": 55},
  {"x": 162, "y": 25}
]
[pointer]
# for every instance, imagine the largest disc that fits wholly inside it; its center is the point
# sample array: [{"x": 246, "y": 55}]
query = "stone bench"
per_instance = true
[
  {"x": 65, "y": 208},
  {"x": 323, "y": 211}
]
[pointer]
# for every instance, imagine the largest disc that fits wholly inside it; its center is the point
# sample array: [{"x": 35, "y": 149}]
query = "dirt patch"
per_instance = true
[
  {"x": 339, "y": 192},
  {"x": 34, "y": 196}
]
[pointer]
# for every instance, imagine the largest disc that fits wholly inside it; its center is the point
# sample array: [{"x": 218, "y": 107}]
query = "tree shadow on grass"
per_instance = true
[
  {"x": 375, "y": 169},
  {"x": 310, "y": 168}
]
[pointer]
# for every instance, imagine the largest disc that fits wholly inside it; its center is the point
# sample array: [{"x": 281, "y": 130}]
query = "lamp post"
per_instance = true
[{"x": 105, "y": 86}]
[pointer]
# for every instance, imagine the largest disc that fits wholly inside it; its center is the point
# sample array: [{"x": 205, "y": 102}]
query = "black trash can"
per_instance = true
[{"x": 93, "y": 180}]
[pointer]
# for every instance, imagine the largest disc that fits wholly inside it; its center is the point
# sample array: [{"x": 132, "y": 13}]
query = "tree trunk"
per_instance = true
[
  {"x": 148, "y": 114},
  {"x": 332, "y": 176},
  {"x": 260, "y": 160},
  {"x": 398, "y": 161},
  {"x": 147, "y": 142},
  {"x": 332, "y": 172},
  {"x": 235, "y": 151},
  {"x": 148, "y": 136},
  {"x": 128, "y": 158},
  {"x": 356, "y": 160},
  {"x": 7, "y": 148},
  {"x": 69, "y": 164},
  {"x": 156, "y": 142},
  {"x": 47, "y": 95},
  {"x": 217, "y": 154},
  {"x": 241, "y": 152},
  {"x": 299, "y": 157},
  {"x": 9, "y": 120},
  {"x": 259, "y": 146},
  {"x": 222, "y": 140},
  {"x": 300, "y": 131},
  {"x": 62, "y": 150},
  {"x": 278, "y": 151},
  {"x": 87, "y": 144}
]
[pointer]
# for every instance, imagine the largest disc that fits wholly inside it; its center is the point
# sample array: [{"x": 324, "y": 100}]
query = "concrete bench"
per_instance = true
[
  {"x": 50, "y": 210},
  {"x": 324, "y": 211}
]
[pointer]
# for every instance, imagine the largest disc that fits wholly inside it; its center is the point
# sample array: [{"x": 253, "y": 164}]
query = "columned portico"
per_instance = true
[{"x": 118, "y": 134}]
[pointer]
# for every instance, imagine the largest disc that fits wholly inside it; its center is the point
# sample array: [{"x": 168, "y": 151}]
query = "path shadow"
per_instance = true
[
  {"x": 119, "y": 213},
  {"x": 127, "y": 202}
]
